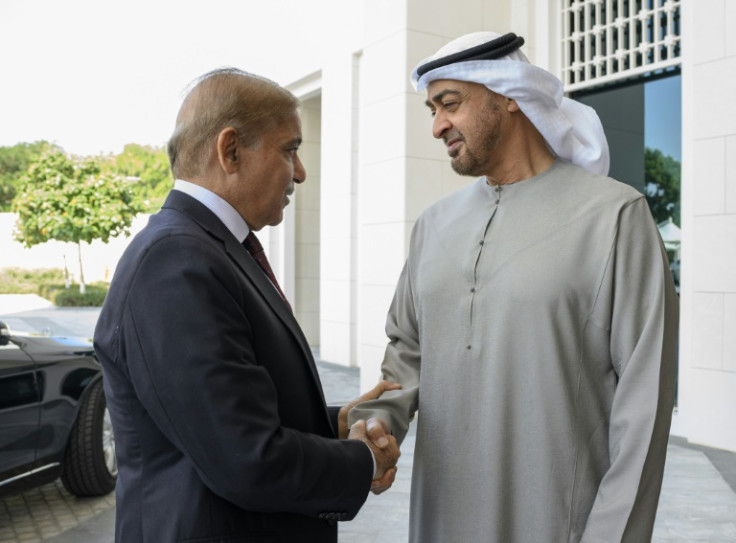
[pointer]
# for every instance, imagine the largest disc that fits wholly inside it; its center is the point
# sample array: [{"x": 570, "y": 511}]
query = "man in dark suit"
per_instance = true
[{"x": 220, "y": 422}]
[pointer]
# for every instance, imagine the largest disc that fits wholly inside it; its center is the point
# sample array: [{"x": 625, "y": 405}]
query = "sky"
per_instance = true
[
  {"x": 93, "y": 75},
  {"x": 663, "y": 116}
]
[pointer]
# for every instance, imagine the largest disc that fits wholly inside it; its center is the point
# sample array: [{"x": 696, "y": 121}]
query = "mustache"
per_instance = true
[
  {"x": 290, "y": 188},
  {"x": 452, "y": 136}
]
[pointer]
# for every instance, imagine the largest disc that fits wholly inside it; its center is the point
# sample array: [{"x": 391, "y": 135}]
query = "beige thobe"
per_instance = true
[{"x": 534, "y": 327}]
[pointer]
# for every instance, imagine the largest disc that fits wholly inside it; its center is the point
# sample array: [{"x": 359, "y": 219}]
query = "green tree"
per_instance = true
[
  {"x": 149, "y": 168},
  {"x": 72, "y": 200},
  {"x": 14, "y": 163},
  {"x": 662, "y": 182}
]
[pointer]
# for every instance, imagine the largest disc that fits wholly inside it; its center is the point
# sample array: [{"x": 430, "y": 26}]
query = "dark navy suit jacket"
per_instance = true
[{"x": 220, "y": 422}]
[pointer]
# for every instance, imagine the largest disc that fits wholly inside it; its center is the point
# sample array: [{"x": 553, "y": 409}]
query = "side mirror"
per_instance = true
[{"x": 4, "y": 334}]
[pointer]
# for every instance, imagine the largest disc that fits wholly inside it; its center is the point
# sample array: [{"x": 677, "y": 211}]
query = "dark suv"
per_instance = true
[{"x": 53, "y": 417}]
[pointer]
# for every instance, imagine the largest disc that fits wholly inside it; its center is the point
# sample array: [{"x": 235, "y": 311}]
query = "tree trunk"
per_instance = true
[
  {"x": 67, "y": 279},
  {"x": 82, "y": 287}
]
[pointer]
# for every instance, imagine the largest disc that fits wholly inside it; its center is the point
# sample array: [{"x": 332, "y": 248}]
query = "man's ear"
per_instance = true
[
  {"x": 228, "y": 148},
  {"x": 511, "y": 105}
]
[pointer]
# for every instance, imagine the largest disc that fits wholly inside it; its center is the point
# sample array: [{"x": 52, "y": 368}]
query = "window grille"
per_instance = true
[{"x": 610, "y": 40}]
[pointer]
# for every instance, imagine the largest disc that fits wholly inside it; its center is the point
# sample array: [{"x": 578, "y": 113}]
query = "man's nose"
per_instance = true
[
  {"x": 440, "y": 124},
  {"x": 300, "y": 174}
]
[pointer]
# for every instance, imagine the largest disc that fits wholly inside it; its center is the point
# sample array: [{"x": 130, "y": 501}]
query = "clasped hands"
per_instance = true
[{"x": 377, "y": 435}]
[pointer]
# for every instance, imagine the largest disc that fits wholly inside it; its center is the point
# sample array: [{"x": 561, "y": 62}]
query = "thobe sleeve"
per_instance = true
[
  {"x": 638, "y": 303},
  {"x": 401, "y": 364}
]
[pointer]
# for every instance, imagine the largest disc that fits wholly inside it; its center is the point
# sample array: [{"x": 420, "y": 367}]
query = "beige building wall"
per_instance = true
[
  {"x": 707, "y": 384},
  {"x": 305, "y": 299},
  {"x": 99, "y": 259}
]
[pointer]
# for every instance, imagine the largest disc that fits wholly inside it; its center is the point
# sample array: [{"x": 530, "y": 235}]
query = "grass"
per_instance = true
[
  {"x": 49, "y": 283},
  {"x": 21, "y": 281}
]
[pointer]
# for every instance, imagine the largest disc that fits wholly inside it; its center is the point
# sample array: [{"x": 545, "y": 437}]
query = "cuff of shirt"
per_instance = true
[{"x": 375, "y": 466}]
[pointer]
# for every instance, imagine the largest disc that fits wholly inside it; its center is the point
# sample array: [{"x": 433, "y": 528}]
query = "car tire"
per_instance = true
[{"x": 90, "y": 467}]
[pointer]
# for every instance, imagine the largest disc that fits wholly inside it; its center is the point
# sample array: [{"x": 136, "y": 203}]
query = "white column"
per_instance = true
[
  {"x": 707, "y": 402},
  {"x": 337, "y": 231}
]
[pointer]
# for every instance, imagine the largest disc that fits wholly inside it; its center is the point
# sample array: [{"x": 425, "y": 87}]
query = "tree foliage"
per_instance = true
[
  {"x": 662, "y": 182},
  {"x": 14, "y": 164},
  {"x": 144, "y": 166},
  {"x": 72, "y": 200},
  {"x": 148, "y": 167}
]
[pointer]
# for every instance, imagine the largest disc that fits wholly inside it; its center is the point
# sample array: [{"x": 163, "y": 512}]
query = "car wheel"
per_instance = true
[{"x": 90, "y": 466}]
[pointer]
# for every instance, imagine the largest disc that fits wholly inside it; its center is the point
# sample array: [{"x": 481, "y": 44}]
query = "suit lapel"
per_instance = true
[{"x": 235, "y": 250}]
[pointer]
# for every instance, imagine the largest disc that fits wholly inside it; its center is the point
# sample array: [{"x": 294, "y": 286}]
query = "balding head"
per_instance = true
[{"x": 224, "y": 98}]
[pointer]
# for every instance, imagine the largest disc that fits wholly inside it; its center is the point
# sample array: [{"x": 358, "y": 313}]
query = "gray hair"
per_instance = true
[{"x": 222, "y": 98}]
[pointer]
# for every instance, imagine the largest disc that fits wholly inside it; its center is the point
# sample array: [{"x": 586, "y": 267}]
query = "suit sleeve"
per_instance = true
[
  {"x": 639, "y": 301},
  {"x": 334, "y": 412},
  {"x": 188, "y": 342}
]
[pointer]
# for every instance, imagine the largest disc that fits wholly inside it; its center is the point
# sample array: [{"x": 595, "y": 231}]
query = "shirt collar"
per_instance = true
[{"x": 218, "y": 205}]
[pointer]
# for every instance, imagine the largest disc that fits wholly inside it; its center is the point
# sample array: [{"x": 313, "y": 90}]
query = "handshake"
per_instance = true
[{"x": 377, "y": 435}]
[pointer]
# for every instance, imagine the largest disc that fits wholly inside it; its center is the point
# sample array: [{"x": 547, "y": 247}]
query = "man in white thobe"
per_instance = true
[{"x": 534, "y": 325}]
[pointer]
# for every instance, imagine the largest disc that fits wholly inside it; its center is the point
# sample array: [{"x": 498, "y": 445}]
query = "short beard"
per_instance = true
[
  {"x": 475, "y": 163},
  {"x": 466, "y": 164}
]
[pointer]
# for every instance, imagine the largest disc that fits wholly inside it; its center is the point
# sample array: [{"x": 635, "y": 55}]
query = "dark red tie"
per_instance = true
[{"x": 255, "y": 248}]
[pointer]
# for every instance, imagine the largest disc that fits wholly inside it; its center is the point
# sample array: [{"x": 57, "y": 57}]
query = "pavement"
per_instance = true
[{"x": 697, "y": 504}]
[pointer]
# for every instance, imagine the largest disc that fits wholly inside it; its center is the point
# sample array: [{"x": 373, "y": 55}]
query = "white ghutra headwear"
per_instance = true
[{"x": 572, "y": 130}]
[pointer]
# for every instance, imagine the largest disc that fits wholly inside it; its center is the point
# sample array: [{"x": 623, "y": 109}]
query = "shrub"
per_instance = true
[
  {"x": 61, "y": 296},
  {"x": 49, "y": 283},
  {"x": 22, "y": 281}
]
